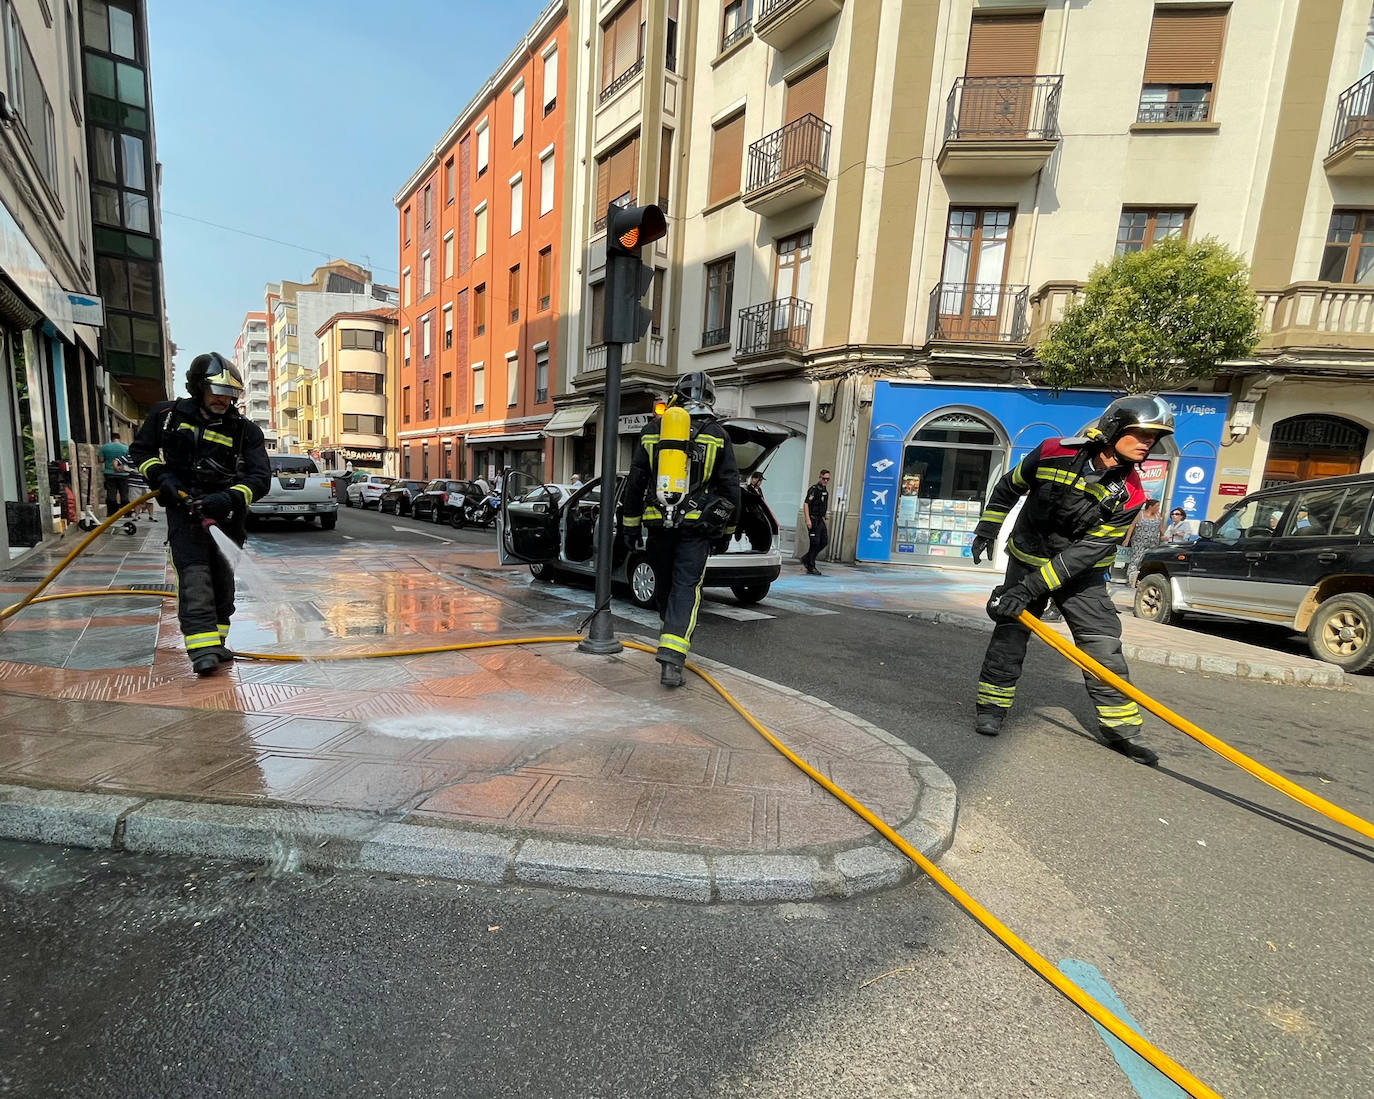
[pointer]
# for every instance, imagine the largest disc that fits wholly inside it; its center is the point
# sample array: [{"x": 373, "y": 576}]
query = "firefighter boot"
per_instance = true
[
  {"x": 989, "y": 721},
  {"x": 670, "y": 675},
  {"x": 1133, "y": 751},
  {"x": 209, "y": 661}
]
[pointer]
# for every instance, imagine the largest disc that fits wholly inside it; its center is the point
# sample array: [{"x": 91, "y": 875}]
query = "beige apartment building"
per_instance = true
[
  {"x": 876, "y": 209},
  {"x": 355, "y": 390}
]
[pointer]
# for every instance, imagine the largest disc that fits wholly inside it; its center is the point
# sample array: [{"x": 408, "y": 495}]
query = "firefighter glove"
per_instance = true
[
  {"x": 171, "y": 493},
  {"x": 982, "y": 547},
  {"x": 216, "y": 505},
  {"x": 630, "y": 536},
  {"x": 1007, "y": 604}
]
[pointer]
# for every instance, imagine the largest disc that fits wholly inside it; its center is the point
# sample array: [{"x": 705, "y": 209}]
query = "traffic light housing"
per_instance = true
[{"x": 628, "y": 229}]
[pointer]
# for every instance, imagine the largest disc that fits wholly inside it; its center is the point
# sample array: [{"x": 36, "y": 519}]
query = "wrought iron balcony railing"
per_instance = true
[
  {"x": 714, "y": 337},
  {"x": 1198, "y": 110},
  {"x": 1354, "y": 114},
  {"x": 781, "y": 325},
  {"x": 803, "y": 143},
  {"x": 1010, "y": 108},
  {"x": 621, "y": 80},
  {"x": 969, "y": 312},
  {"x": 730, "y": 37}
]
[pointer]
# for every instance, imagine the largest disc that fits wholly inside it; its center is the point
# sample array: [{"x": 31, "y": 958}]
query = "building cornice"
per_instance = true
[{"x": 528, "y": 47}]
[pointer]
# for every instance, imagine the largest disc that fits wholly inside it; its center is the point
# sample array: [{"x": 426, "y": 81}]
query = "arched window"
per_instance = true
[
  {"x": 1303, "y": 447},
  {"x": 949, "y": 464}
]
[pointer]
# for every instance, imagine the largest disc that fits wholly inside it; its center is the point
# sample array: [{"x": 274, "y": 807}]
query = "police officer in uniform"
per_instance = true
[
  {"x": 680, "y": 536},
  {"x": 1082, "y": 494},
  {"x": 207, "y": 463},
  {"x": 815, "y": 507}
]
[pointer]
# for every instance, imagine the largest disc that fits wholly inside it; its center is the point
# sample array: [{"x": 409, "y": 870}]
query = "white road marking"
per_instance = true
[
  {"x": 423, "y": 534},
  {"x": 796, "y": 606}
]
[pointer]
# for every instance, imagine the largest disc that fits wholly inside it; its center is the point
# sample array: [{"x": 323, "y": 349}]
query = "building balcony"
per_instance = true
[
  {"x": 780, "y": 23},
  {"x": 646, "y": 359},
  {"x": 1317, "y": 315},
  {"x": 1000, "y": 126},
  {"x": 609, "y": 91},
  {"x": 775, "y": 329},
  {"x": 979, "y": 313},
  {"x": 1352, "y": 141},
  {"x": 788, "y": 167}
]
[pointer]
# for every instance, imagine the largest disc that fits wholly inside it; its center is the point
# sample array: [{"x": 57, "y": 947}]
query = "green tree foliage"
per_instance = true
[{"x": 1153, "y": 320}]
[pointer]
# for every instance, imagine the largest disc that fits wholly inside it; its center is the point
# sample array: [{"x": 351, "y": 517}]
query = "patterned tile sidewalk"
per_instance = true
[{"x": 521, "y": 742}]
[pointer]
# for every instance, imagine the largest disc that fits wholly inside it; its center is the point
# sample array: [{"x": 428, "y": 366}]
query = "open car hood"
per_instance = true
[{"x": 755, "y": 440}]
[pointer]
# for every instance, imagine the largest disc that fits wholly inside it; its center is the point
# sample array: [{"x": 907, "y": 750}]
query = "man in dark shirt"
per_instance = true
[{"x": 814, "y": 510}]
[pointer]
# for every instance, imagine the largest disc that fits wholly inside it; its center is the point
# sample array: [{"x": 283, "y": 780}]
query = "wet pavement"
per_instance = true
[{"x": 533, "y": 762}]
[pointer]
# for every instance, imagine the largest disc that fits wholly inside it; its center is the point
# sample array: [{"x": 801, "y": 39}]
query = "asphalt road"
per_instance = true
[{"x": 1231, "y": 923}]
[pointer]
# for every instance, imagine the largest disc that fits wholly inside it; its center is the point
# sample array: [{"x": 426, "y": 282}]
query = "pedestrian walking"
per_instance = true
[
  {"x": 681, "y": 528},
  {"x": 814, "y": 510},
  {"x": 1178, "y": 529},
  {"x": 114, "y": 458},
  {"x": 207, "y": 463},
  {"x": 1083, "y": 494},
  {"x": 1145, "y": 534}
]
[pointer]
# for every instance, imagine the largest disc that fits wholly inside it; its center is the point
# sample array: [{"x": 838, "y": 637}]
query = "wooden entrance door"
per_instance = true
[{"x": 1305, "y": 447}]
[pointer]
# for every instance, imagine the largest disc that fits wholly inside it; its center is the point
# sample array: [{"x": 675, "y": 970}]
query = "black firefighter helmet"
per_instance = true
[
  {"x": 213, "y": 373},
  {"x": 1145, "y": 411},
  {"x": 695, "y": 392}
]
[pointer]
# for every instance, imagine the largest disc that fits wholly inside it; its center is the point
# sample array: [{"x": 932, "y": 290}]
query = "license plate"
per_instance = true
[{"x": 293, "y": 507}]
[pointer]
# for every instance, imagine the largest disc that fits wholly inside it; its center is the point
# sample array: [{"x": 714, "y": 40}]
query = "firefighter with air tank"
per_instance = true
[{"x": 683, "y": 490}]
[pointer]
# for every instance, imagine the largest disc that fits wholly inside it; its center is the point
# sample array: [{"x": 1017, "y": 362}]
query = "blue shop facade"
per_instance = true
[{"x": 936, "y": 449}]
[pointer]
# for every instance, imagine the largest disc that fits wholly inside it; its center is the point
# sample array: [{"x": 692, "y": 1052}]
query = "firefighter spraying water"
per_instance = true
[
  {"x": 207, "y": 463},
  {"x": 688, "y": 458}
]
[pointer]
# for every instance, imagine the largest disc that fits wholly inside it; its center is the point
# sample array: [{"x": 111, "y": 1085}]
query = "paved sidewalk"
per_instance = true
[
  {"x": 535, "y": 764},
  {"x": 958, "y": 597}
]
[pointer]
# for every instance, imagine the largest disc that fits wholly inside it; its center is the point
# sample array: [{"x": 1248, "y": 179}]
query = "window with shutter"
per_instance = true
[
  {"x": 622, "y": 46},
  {"x": 999, "y": 47},
  {"x": 806, "y": 94},
  {"x": 598, "y": 310},
  {"x": 665, "y": 168},
  {"x": 1182, "y": 64},
  {"x": 727, "y": 156}
]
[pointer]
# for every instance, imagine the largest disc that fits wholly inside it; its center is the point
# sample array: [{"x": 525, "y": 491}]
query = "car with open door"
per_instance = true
[{"x": 555, "y": 533}]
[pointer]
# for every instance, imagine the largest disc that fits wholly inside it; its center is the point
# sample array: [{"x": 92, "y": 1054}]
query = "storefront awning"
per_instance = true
[{"x": 570, "y": 421}]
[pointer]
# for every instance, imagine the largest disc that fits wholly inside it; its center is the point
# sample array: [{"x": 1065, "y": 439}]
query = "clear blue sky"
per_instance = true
[{"x": 298, "y": 121}]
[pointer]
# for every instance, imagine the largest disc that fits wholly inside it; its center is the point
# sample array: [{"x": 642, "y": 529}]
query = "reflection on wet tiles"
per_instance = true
[
  {"x": 188, "y": 769},
  {"x": 381, "y": 786},
  {"x": 20, "y": 749},
  {"x": 301, "y": 733},
  {"x": 50, "y": 653},
  {"x": 270, "y": 775}
]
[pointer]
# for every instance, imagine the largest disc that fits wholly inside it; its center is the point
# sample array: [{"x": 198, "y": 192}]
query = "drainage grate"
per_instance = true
[
  {"x": 151, "y": 587},
  {"x": 22, "y": 578}
]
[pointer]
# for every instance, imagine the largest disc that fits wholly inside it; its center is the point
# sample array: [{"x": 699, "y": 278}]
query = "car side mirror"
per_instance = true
[{"x": 1206, "y": 529}]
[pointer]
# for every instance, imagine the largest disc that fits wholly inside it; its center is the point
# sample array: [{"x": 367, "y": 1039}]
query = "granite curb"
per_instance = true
[
  {"x": 1319, "y": 675},
  {"x": 307, "y": 838}
]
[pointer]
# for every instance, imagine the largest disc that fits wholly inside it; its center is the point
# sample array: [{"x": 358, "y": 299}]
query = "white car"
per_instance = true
[{"x": 367, "y": 491}]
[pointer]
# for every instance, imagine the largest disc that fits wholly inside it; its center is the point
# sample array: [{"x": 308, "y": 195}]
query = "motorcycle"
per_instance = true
[{"x": 482, "y": 512}]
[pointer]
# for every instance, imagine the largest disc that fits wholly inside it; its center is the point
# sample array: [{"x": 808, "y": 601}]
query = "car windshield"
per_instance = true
[{"x": 287, "y": 463}]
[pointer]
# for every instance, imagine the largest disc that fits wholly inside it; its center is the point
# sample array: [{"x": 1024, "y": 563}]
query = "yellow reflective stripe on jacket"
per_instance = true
[
  {"x": 630, "y": 520},
  {"x": 247, "y": 492},
  {"x": 1107, "y": 530},
  {"x": 216, "y": 437},
  {"x": 146, "y": 466},
  {"x": 1049, "y": 576},
  {"x": 1018, "y": 476},
  {"x": 201, "y": 640},
  {"x": 1024, "y": 557},
  {"x": 992, "y": 515},
  {"x": 673, "y": 642}
]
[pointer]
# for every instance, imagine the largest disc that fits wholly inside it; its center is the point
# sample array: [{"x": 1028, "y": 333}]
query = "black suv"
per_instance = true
[
  {"x": 1299, "y": 555},
  {"x": 398, "y": 498},
  {"x": 442, "y": 501}
]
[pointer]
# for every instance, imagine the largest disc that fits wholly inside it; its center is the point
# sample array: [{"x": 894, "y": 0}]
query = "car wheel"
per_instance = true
[
  {"x": 329, "y": 522},
  {"x": 1154, "y": 600},
  {"x": 348, "y": 500},
  {"x": 542, "y": 570},
  {"x": 1342, "y": 631},
  {"x": 437, "y": 516},
  {"x": 750, "y": 593},
  {"x": 643, "y": 583},
  {"x": 456, "y": 519}
]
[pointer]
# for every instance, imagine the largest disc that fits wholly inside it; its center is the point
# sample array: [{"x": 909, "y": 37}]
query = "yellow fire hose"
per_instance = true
[
  {"x": 1207, "y": 740},
  {"x": 1094, "y": 1010}
]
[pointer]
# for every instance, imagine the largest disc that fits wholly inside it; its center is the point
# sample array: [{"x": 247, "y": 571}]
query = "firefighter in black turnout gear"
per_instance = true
[
  {"x": 1082, "y": 494},
  {"x": 207, "y": 463},
  {"x": 685, "y": 507}
]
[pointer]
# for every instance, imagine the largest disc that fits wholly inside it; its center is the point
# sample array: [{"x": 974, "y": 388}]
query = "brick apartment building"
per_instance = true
[{"x": 481, "y": 246}]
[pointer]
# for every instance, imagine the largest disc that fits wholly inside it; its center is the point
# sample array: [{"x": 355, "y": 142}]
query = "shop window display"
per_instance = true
[{"x": 947, "y": 470}]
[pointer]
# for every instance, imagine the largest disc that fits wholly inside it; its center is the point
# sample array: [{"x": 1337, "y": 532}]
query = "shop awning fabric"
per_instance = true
[{"x": 570, "y": 421}]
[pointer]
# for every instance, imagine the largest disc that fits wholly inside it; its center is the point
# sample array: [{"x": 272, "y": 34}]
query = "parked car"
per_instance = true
[
  {"x": 366, "y": 490},
  {"x": 1299, "y": 555},
  {"x": 442, "y": 500},
  {"x": 396, "y": 500},
  {"x": 299, "y": 491},
  {"x": 556, "y": 535}
]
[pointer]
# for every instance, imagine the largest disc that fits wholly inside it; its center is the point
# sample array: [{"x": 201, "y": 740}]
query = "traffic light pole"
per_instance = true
[{"x": 601, "y": 638}]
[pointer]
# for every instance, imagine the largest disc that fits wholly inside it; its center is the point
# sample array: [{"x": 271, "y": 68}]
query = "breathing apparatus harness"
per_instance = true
[{"x": 680, "y": 475}]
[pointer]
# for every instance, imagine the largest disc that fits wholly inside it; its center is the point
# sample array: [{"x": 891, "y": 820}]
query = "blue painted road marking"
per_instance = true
[{"x": 1146, "y": 1080}]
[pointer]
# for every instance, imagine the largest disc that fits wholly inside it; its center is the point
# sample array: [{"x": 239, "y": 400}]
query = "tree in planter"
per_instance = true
[{"x": 1153, "y": 320}]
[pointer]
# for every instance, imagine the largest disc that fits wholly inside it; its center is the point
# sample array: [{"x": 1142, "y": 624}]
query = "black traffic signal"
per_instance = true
[{"x": 629, "y": 228}]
